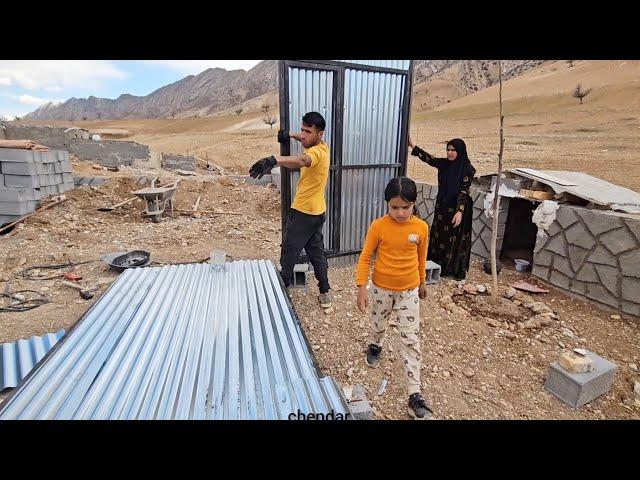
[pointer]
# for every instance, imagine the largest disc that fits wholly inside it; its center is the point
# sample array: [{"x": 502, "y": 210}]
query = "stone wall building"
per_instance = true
[{"x": 588, "y": 250}]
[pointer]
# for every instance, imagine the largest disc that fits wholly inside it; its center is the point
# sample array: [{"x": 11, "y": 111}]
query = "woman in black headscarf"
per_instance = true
[{"x": 450, "y": 235}]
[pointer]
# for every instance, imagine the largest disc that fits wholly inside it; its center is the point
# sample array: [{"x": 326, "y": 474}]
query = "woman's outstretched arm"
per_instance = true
[{"x": 416, "y": 151}]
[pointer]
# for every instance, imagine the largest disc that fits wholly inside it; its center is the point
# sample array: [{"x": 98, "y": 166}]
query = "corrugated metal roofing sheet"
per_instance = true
[
  {"x": 193, "y": 341},
  {"x": 18, "y": 358},
  {"x": 398, "y": 64},
  {"x": 585, "y": 186}
]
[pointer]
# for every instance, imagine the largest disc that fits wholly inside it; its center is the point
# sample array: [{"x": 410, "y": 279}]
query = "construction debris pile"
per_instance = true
[{"x": 28, "y": 176}]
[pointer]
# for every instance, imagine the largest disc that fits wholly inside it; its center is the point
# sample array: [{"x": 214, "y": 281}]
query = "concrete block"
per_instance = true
[
  {"x": 44, "y": 180},
  {"x": 18, "y": 208},
  {"x": 67, "y": 178},
  {"x": 265, "y": 180},
  {"x": 514, "y": 184},
  {"x": 66, "y": 166},
  {"x": 48, "y": 157},
  {"x": 179, "y": 162},
  {"x": 1, "y": 180},
  {"x": 433, "y": 272},
  {"x": 16, "y": 168},
  {"x": 358, "y": 403},
  {"x": 276, "y": 178},
  {"x": 18, "y": 194},
  {"x": 4, "y": 219},
  {"x": 21, "y": 181},
  {"x": 16, "y": 155},
  {"x": 577, "y": 389},
  {"x": 300, "y": 275}
]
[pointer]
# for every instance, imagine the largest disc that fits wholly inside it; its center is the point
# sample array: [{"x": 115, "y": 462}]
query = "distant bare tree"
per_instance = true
[
  {"x": 238, "y": 111},
  {"x": 84, "y": 117},
  {"x": 579, "y": 93},
  {"x": 570, "y": 62},
  {"x": 265, "y": 108},
  {"x": 99, "y": 115},
  {"x": 17, "y": 119},
  {"x": 270, "y": 120}
]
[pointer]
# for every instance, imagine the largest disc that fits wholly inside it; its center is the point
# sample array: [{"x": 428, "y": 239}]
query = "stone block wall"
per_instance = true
[
  {"x": 109, "y": 153},
  {"x": 52, "y": 137},
  {"x": 179, "y": 162},
  {"x": 593, "y": 253}
]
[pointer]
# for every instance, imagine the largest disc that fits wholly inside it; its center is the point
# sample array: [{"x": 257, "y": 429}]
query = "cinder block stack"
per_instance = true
[{"x": 27, "y": 176}]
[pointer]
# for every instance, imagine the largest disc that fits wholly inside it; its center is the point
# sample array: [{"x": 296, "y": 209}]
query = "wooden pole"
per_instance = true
[{"x": 496, "y": 195}]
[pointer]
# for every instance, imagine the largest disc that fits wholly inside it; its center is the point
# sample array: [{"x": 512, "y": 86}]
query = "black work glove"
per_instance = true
[
  {"x": 283, "y": 136},
  {"x": 262, "y": 167}
]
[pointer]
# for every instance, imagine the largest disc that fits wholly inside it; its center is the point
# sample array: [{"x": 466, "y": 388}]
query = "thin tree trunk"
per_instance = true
[{"x": 496, "y": 197}]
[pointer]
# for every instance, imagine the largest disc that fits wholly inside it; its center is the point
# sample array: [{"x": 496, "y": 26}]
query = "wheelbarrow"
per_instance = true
[{"x": 157, "y": 199}]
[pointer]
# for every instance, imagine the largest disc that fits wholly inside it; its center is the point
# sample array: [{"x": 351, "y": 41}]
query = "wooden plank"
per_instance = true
[{"x": 536, "y": 194}]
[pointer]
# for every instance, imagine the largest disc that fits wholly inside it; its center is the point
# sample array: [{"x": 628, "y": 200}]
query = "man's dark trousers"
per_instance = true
[{"x": 304, "y": 231}]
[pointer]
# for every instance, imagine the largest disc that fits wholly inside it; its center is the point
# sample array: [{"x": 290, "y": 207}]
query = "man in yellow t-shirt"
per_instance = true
[{"x": 307, "y": 214}]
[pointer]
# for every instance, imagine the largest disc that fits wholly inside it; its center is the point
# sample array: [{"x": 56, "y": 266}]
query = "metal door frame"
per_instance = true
[{"x": 337, "y": 102}]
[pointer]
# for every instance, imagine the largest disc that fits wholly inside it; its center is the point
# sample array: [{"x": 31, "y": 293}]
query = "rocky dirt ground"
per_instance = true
[
  {"x": 75, "y": 231},
  {"x": 479, "y": 360}
]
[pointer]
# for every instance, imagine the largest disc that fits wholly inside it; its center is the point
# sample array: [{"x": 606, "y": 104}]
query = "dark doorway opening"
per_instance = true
[{"x": 519, "y": 233}]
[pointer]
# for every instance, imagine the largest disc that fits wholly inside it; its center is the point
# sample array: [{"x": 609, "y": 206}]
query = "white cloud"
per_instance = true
[
  {"x": 29, "y": 100},
  {"x": 54, "y": 75},
  {"x": 5, "y": 81},
  {"x": 7, "y": 118},
  {"x": 193, "y": 67}
]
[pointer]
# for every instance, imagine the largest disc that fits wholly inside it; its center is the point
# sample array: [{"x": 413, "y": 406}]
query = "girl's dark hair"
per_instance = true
[{"x": 402, "y": 187}]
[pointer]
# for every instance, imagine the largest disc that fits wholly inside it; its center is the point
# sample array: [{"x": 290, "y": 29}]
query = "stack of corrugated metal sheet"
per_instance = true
[
  {"x": 17, "y": 359},
  {"x": 27, "y": 176},
  {"x": 195, "y": 341}
]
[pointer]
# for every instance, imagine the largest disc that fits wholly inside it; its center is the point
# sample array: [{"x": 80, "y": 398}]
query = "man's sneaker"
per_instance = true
[
  {"x": 373, "y": 355},
  {"x": 325, "y": 300},
  {"x": 418, "y": 407}
]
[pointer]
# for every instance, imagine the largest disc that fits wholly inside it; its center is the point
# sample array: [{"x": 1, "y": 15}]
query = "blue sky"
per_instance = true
[{"x": 27, "y": 84}]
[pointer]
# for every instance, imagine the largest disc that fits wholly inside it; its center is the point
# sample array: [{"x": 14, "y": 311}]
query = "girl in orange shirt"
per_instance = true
[{"x": 399, "y": 240}]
